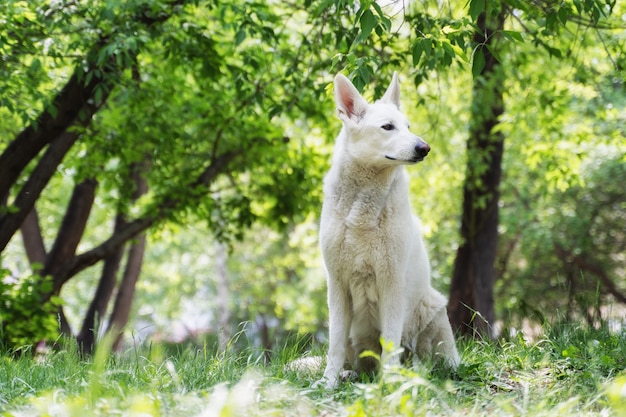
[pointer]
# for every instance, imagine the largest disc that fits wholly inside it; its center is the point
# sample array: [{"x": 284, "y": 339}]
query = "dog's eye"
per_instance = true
[{"x": 388, "y": 126}]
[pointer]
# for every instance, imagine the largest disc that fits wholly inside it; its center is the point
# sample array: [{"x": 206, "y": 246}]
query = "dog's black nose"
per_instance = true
[{"x": 422, "y": 149}]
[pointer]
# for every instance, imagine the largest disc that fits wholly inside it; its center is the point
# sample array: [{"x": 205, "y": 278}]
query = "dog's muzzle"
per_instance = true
[{"x": 420, "y": 151}]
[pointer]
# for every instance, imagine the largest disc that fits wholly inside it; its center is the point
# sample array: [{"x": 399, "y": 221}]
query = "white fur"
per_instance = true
[{"x": 377, "y": 265}]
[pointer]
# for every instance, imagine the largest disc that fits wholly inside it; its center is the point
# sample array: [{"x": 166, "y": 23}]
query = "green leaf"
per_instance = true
[
  {"x": 493, "y": 51},
  {"x": 479, "y": 62},
  {"x": 97, "y": 96},
  {"x": 454, "y": 50},
  {"x": 103, "y": 55},
  {"x": 513, "y": 35},
  {"x": 368, "y": 22},
  {"x": 476, "y": 7},
  {"x": 384, "y": 20},
  {"x": 364, "y": 74},
  {"x": 240, "y": 36},
  {"x": 54, "y": 112},
  {"x": 88, "y": 77},
  {"x": 35, "y": 66},
  {"x": 579, "y": 6},
  {"x": 379, "y": 10},
  {"x": 556, "y": 52},
  {"x": 596, "y": 12},
  {"x": 563, "y": 13},
  {"x": 551, "y": 19},
  {"x": 417, "y": 52}
]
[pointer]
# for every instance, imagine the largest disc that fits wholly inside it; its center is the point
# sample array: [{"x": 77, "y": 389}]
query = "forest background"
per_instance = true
[{"x": 161, "y": 161}]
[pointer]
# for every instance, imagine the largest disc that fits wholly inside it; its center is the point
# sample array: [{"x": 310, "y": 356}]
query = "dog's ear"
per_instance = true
[
  {"x": 350, "y": 104},
  {"x": 392, "y": 95}
]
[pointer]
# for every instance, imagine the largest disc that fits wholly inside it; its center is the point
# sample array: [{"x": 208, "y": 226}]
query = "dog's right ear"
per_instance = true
[{"x": 350, "y": 104}]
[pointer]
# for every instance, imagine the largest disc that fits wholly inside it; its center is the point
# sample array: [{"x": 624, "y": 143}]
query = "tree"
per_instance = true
[
  {"x": 161, "y": 79},
  {"x": 471, "y": 304},
  {"x": 441, "y": 41}
]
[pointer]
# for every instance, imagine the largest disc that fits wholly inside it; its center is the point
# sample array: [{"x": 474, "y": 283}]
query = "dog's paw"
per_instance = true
[
  {"x": 348, "y": 375},
  {"x": 325, "y": 383},
  {"x": 333, "y": 383},
  {"x": 453, "y": 360}
]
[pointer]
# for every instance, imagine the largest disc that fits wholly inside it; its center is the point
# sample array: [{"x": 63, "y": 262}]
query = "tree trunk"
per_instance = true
[
  {"x": 64, "y": 326},
  {"x": 73, "y": 100},
  {"x": 266, "y": 340},
  {"x": 97, "y": 310},
  {"x": 74, "y": 105},
  {"x": 69, "y": 236},
  {"x": 126, "y": 291},
  {"x": 471, "y": 305},
  {"x": 36, "y": 253}
]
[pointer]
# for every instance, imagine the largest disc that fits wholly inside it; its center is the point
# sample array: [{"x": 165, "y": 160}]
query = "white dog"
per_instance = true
[{"x": 377, "y": 265}]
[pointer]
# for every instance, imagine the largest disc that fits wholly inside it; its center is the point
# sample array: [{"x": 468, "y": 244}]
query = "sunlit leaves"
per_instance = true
[{"x": 367, "y": 22}]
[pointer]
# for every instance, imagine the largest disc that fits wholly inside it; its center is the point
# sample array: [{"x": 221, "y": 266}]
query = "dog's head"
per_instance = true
[{"x": 378, "y": 133}]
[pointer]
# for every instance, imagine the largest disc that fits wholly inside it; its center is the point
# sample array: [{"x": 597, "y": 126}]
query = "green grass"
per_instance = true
[{"x": 568, "y": 372}]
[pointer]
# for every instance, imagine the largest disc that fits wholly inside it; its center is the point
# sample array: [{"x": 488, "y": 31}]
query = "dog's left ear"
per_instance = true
[{"x": 392, "y": 95}]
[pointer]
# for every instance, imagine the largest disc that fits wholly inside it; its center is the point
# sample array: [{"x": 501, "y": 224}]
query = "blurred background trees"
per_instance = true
[{"x": 172, "y": 153}]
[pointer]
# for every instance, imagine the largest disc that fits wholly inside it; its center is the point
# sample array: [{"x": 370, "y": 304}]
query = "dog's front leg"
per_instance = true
[
  {"x": 392, "y": 314},
  {"x": 340, "y": 317}
]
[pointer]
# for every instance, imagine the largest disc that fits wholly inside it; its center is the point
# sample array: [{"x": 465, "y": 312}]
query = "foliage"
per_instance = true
[
  {"x": 254, "y": 78},
  {"x": 577, "y": 251},
  {"x": 23, "y": 318},
  {"x": 180, "y": 94},
  {"x": 561, "y": 164},
  {"x": 569, "y": 371},
  {"x": 540, "y": 49}
]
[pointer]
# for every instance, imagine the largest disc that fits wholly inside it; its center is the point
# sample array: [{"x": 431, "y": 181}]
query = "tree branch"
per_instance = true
[
  {"x": 33, "y": 240},
  {"x": 70, "y": 103},
  {"x": 135, "y": 227},
  {"x": 30, "y": 191},
  {"x": 74, "y": 104},
  {"x": 72, "y": 227}
]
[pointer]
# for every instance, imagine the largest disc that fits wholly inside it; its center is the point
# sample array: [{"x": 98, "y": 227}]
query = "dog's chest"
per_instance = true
[
  {"x": 364, "y": 224},
  {"x": 357, "y": 241}
]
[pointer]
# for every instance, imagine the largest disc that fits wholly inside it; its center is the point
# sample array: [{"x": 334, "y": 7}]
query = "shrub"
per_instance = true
[{"x": 24, "y": 320}]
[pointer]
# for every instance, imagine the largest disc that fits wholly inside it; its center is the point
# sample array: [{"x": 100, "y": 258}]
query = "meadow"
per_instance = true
[{"x": 569, "y": 371}]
